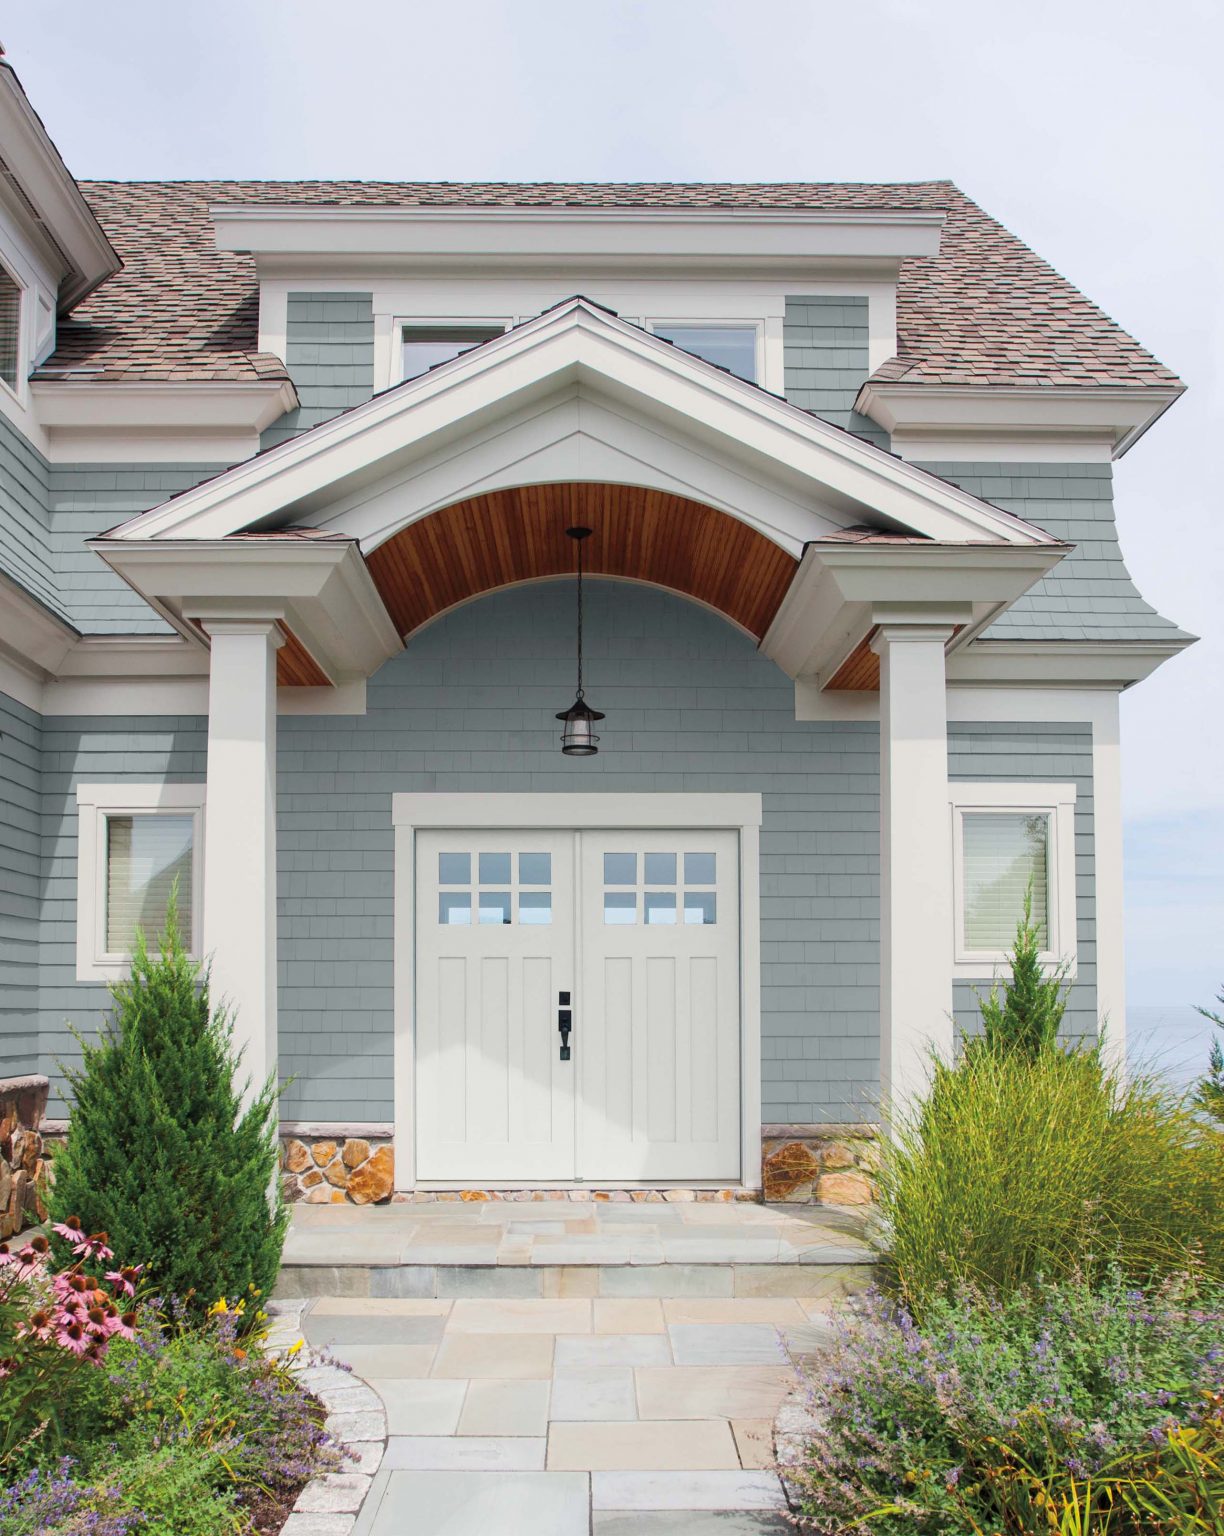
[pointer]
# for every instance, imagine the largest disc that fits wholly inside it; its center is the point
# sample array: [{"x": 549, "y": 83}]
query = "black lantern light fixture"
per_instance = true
[{"x": 577, "y": 737}]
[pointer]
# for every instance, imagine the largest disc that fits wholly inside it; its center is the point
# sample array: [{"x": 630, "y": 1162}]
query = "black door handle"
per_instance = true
[{"x": 564, "y": 1024}]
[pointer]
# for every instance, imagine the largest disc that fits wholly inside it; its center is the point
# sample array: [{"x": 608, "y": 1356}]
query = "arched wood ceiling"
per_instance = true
[{"x": 518, "y": 535}]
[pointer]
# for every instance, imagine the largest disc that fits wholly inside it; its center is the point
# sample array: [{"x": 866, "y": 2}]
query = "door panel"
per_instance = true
[
  {"x": 494, "y": 947},
  {"x": 658, "y": 1017}
]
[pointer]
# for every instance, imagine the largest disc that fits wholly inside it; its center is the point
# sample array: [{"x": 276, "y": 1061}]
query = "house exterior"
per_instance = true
[{"x": 288, "y": 612}]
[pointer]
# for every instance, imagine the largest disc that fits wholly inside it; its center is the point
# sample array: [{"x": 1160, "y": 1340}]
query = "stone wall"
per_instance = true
[
  {"x": 24, "y": 1170},
  {"x": 333, "y": 1170},
  {"x": 820, "y": 1164}
]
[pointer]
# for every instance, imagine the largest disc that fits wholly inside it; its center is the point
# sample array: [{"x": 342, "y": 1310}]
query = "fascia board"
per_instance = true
[
  {"x": 551, "y": 235},
  {"x": 571, "y": 343},
  {"x": 1112, "y": 664},
  {"x": 917, "y": 573},
  {"x": 61, "y": 215},
  {"x": 910, "y": 410},
  {"x": 189, "y": 408}
]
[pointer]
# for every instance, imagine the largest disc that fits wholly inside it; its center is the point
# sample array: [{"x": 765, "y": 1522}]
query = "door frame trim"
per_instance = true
[{"x": 583, "y": 812}]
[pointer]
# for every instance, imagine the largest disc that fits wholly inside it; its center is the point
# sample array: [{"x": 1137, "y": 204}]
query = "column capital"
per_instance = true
[
  {"x": 909, "y": 632},
  {"x": 234, "y": 624}
]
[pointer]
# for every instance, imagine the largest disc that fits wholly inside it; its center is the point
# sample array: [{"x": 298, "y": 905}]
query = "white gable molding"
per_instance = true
[{"x": 578, "y": 343}]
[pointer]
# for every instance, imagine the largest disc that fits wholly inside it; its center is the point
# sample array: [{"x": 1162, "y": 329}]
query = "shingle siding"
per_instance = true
[
  {"x": 20, "y": 885},
  {"x": 135, "y": 749},
  {"x": 329, "y": 352},
  {"x": 25, "y": 535},
  {"x": 1089, "y": 595},
  {"x": 88, "y": 499},
  {"x": 691, "y": 706},
  {"x": 825, "y": 340},
  {"x": 1038, "y": 753}
]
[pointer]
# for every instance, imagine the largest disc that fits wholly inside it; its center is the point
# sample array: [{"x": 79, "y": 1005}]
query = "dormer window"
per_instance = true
[
  {"x": 10, "y": 327},
  {"x": 425, "y": 346},
  {"x": 733, "y": 347}
]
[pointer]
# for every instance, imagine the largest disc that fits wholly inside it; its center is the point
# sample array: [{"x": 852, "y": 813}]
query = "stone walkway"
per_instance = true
[{"x": 569, "y": 1416}]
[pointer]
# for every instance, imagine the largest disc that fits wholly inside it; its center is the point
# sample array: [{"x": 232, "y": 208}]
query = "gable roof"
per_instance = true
[{"x": 986, "y": 311}]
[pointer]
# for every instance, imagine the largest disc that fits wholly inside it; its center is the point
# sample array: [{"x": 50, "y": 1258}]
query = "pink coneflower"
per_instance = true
[
  {"x": 125, "y": 1279},
  {"x": 71, "y": 1336}
]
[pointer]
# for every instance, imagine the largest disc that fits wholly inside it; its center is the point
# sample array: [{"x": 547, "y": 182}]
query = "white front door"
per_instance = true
[{"x": 635, "y": 935}]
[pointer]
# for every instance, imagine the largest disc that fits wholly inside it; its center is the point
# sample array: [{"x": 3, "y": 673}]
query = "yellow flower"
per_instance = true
[
  {"x": 218, "y": 1308},
  {"x": 294, "y": 1348}
]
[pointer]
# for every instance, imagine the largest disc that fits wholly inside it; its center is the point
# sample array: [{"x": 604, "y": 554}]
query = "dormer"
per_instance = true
[{"x": 52, "y": 249}]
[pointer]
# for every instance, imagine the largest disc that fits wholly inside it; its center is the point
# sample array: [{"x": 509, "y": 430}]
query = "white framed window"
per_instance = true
[
  {"x": 735, "y": 346},
  {"x": 12, "y": 306},
  {"x": 426, "y": 343},
  {"x": 1006, "y": 840},
  {"x": 133, "y": 842}
]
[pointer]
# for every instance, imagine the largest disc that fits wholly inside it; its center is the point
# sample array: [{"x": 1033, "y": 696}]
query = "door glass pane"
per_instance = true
[
  {"x": 699, "y": 907},
  {"x": 455, "y": 908},
  {"x": 495, "y": 868},
  {"x": 535, "y": 907},
  {"x": 494, "y": 906},
  {"x": 1005, "y": 853},
  {"x": 535, "y": 868},
  {"x": 145, "y": 856},
  {"x": 620, "y": 906},
  {"x": 454, "y": 869},
  {"x": 661, "y": 868},
  {"x": 620, "y": 868},
  {"x": 660, "y": 907},
  {"x": 699, "y": 868}
]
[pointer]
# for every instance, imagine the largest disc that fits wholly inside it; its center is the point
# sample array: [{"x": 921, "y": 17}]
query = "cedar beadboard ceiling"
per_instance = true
[{"x": 518, "y": 535}]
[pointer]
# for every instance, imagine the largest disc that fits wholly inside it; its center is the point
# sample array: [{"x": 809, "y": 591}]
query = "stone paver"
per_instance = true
[{"x": 591, "y": 1396}]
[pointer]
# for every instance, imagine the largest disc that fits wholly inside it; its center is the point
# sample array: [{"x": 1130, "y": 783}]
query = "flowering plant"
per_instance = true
[{"x": 55, "y": 1321}]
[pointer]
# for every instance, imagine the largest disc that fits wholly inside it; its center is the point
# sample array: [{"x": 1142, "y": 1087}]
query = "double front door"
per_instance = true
[{"x": 629, "y": 938}]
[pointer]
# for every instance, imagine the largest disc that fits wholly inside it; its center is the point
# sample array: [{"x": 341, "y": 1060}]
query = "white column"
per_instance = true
[
  {"x": 915, "y": 857},
  {"x": 1107, "y": 840},
  {"x": 240, "y": 833}
]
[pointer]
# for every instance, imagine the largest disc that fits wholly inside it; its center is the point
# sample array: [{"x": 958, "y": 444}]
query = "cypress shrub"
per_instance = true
[{"x": 161, "y": 1154}]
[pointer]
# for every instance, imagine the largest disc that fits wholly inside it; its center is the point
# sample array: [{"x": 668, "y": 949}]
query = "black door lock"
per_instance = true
[{"x": 564, "y": 1024}]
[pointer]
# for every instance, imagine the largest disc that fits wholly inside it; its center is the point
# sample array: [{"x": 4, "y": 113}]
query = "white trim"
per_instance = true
[
  {"x": 979, "y": 414},
  {"x": 95, "y": 804},
  {"x": 971, "y": 447},
  {"x": 1057, "y": 801},
  {"x": 738, "y": 812},
  {"x": 578, "y": 342}
]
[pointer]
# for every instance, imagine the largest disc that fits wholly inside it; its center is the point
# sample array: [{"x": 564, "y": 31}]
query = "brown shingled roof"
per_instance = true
[{"x": 985, "y": 311}]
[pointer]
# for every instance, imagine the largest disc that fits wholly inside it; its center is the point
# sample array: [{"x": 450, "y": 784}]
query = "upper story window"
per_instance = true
[
  {"x": 733, "y": 347},
  {"x": 10, "y": 327},
  {"x": 425, "y": 346}
]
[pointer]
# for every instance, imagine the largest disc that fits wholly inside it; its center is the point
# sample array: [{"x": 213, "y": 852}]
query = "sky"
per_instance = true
[{"x": 1092, "y": 128}]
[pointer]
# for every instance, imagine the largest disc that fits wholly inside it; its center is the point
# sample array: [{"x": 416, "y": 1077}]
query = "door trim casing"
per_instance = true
[{"x": 411, "y": 812}]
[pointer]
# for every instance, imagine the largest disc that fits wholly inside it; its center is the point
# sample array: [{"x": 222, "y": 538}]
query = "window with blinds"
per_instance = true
[
  {"x": 1004, "y": 852},
  {"x": 10, "y": 327},
  {"x": 145, "y": 855}
]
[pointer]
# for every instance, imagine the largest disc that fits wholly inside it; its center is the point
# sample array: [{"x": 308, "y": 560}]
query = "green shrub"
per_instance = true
[
  {"x": 1211, "y": 1088},
  {"x": 1090, "y": 1411},
  {"x": 160, "y": 1153},
  {"x": 1024, "y": 1013},
  {"x": 1014, "y": 1168}
]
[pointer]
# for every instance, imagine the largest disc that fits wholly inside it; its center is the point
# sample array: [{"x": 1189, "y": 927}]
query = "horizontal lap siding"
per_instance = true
[
  {"x": 136, "y": 749},
  {"x": 1044, "y": 753},
  {"x": 826, "y": 355},
  {"x": 20, "y": 867},
  {"x": 691, "y": 706}
]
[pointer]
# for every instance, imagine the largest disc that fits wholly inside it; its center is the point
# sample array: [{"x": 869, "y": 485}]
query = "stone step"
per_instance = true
[{"x": 830, "y": 1273}]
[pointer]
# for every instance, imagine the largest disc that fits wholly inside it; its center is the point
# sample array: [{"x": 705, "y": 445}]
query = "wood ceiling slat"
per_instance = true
[
  {"x": 296, "y": 667},
  {"x": 518, "y": 535},
  {"x": 861, "y": 669}
]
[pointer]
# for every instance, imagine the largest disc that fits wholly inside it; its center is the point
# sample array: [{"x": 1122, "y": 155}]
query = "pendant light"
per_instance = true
[{"x": 577, "y": 737}]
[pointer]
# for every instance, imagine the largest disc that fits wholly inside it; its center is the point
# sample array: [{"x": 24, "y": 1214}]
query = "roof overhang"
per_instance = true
[
  {"x": 920, "y": 418},
  {"x": 607, "y": 238},
  {"x": 213, "y": 421},
  {"x": 1113, "y": 664},
  {"x": 425, "y": 438},
  {"x": 841, "y": 592},
  {"x": 48, "y": 200},
  {"x": 319, "y": 590}
]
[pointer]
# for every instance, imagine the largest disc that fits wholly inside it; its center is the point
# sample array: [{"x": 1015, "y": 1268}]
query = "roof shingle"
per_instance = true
[{"x": 987, "y": 310}]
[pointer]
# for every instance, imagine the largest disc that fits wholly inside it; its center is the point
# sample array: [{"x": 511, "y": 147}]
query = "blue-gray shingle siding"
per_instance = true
[
  {"x": 825, "y": 342},
  {"x": 1089, "y": 595},
  {"x": 329, "y": 352},
  {"x": 20, "y": 886},
  {"x": 998, "y": 752},
  {"x": 25, "y": 533}
]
